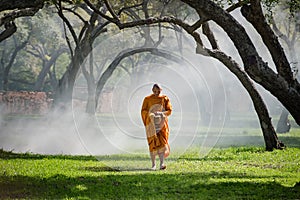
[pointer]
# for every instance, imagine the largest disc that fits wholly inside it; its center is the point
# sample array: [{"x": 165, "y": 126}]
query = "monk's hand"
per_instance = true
[
  {"x": 162, "y": 114},
  {"x": 151, "y": 115}
]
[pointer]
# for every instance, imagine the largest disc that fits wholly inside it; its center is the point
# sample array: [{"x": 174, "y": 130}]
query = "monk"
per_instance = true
[{"x": 155, "y": 111}]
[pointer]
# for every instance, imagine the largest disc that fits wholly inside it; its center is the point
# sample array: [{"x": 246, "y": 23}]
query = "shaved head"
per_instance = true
[{"x": 156, "y": 86}]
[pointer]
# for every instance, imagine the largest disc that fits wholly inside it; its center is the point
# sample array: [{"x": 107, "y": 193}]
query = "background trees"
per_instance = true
[
  {"x": 29, "y": 56},
  {"x": 13, "y": 10},
  {"x": 204, "y": 21},
  {"x": 286, "y": 26}
]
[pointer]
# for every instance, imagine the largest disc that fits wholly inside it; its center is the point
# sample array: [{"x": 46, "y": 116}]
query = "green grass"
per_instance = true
[
  {"x": 238, "y": 172},
  {"x": 229, "y": 173}
]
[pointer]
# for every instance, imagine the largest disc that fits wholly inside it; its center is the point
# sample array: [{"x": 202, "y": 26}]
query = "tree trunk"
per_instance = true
[
  {"x": 283, "y": 125},
  {"x": 89, "y": 77},
  {"x": 254, "y": 14},
  {"x": 10, "y": 64},
  {"x": 64, "y": 92},
  {"x": 291, "y": 87},
  {"x": 46, "y": 68},
  {"x": 91, "y": 103},
  {"x": 84, "y": 46},
  {"x": 53, "y": 77},
  {"x": 258, "y": 70},
  {"x": 270, "y": 137}
]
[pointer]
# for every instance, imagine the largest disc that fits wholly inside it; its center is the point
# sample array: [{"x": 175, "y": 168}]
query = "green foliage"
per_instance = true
[
  {"x": 293, "y": 6},
  {"x": 45, "y": 36},
  {"x": 232, "y": 173}
]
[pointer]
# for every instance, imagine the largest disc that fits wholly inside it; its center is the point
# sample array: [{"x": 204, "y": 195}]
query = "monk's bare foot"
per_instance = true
[
  {"x": 153, "y": 167},
  {"x": 163, "y": 167}
]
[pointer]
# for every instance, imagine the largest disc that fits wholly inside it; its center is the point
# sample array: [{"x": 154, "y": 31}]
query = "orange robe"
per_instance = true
[{"x": 157, "y": 138}]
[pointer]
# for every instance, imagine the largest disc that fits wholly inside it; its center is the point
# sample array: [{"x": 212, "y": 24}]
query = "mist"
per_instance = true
[{"x": 210, "y": 106}]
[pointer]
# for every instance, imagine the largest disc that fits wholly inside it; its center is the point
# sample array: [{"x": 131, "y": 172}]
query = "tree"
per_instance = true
[
  {"x": 6, "y": 69},
  {"x": 16, "y": 9},
  {"x": 280, "y": 82},
  {"x": 81, "y": 46},
  {"x": 150, "y": 45},
  {"x": 11, "y": 51},
  {"x": 47, "y": 44},
  {"x": 39, "y": 38},
  {"x": 126, "y": 53},
  {"x": 288, "y": 33},
  {"x": 208, "y": 10},
  {"x": 284, "y": 84}
]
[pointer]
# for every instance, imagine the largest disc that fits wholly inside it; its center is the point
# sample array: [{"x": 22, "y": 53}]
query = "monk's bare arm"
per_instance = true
[{"x": 168, "y": 107}]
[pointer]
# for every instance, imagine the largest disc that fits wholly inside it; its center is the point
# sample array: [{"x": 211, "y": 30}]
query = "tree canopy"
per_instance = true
[{"x": 83, "y": 21}]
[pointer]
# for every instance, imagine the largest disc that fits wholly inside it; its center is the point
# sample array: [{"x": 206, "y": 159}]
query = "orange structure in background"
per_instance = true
[{"x": 24, "y": 102}]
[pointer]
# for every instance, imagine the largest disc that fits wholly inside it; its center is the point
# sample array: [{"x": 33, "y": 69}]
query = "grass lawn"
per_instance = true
[
  {"x": 245, "y": 171},
  {"x": 229, "y": 173}
]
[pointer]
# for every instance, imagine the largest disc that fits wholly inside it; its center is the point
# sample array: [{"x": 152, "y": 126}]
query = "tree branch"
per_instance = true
[
  {"x": 126, "y": 53},
  {"x": 254, "y": 14},
  {"x": 19, "y": 4},
  {"x": 66, "y": 21},
  {"x": 259, "y": 105},
  {"x": 10, "y": 29},
  {"x": 236, "y": 5},
  {"x": 100, "y": 13},
  {"x": 111, "y": 11},
  {"x": 16, "y": 14},
  {"x": 206, "y": 31}
]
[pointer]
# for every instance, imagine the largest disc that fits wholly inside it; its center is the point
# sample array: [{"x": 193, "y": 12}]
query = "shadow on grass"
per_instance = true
[
  {"x": 124, "y": 157},
  {"x": 144, "y": 186},
  {"x": 290, "y": 141},
  {"x": 244, "y": 140},
  {"x": 135, "y": 183},
  {"x": 224, "y": 155},
  {"x": 11, "y": 155},
  {"x": 115, "y": 169}
]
